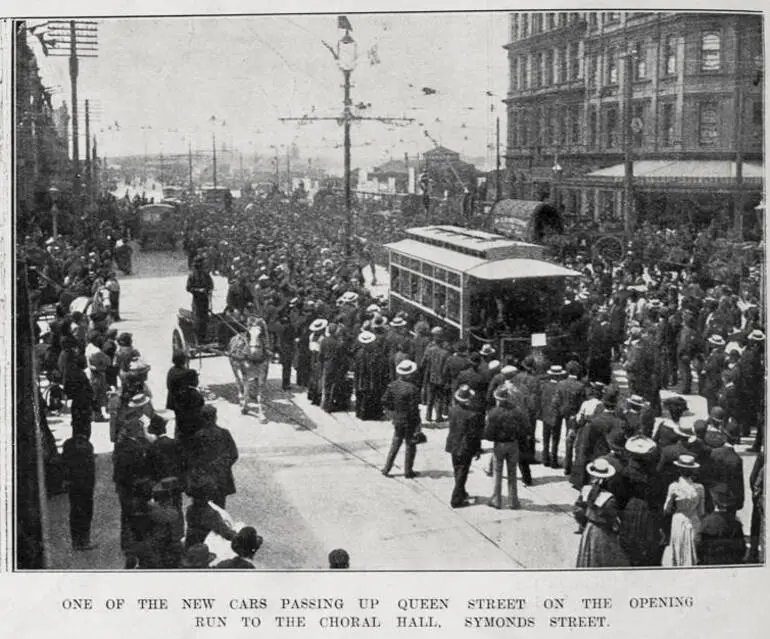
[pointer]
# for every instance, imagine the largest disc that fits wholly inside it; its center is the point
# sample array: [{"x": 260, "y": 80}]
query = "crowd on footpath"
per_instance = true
[{"x": 652, "y": 489}]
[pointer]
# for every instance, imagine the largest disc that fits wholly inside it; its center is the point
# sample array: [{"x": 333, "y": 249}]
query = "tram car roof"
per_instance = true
[{"x": 474, "y": 242}]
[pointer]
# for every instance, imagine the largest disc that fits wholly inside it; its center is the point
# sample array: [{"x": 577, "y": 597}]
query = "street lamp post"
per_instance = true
[{"x": 346, "y": 59}]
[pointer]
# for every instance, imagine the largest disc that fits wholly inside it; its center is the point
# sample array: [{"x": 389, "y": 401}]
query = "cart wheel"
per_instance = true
[{"x": 179, "y": 343}]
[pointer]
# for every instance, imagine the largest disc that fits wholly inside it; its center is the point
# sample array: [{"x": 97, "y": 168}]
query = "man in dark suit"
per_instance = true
[
  {"x": 432, "y": 368},
  {"x": 165, "y": 459},
  {"x": 463, "y": 442},
  {"x": 506, "y": 426},
  {"x": 286, "y": 342},
  {"x": 724, "y": 476},
  {"x": 80, "y": 471},
  {"x": 332, "y": 357},
  {"x": 456, "y": 362},
  {"x": 550, "y": 416},
  {"x": 200, "y": 286},
  {"x": 472, "y": 376},
  {"x": 721, "y": 540},
  {"x": 402, "y": 399},
  {"x": 176, "y": 377},
  {"x": 214, "y": 453},
  {"x": 570, "y": 394},
  {"x": 130, "y": 465}
]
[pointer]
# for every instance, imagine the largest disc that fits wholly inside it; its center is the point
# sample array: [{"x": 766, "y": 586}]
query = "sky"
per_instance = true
[{"x": 162, "y": 79}]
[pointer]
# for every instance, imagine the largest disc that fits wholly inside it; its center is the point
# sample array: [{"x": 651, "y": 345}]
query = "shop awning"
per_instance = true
[{"x": 514, "y": 268}]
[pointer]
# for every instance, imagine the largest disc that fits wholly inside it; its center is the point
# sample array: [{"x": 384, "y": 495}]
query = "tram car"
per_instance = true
[{"x": 484, "y": 288}]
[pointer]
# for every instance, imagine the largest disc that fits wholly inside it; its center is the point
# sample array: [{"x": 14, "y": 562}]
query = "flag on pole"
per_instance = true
[{"x": 344, "y": 23}]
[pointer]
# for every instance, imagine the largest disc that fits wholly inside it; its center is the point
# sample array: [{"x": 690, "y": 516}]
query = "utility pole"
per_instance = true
[
  {"x": 738, "y": 136},
  {"x": 73, "y": 39},
  {"x": 94, "y": 170},
  {"x": 88, "y": 155},
  {"x": 288, "y": 171},
  {"x": 214, "y": 147},
  {"x": 345, "y": 55},
  {"x": 628, "y": 164},
  {"x": 189, "y": 165},
  {"x": 497, "y": 169}
]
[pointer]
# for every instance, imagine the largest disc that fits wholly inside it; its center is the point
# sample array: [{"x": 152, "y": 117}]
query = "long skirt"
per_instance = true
[
  {"x": 640, "y": 533},
  {"x": 600, "y": 548},
  {"x": 681, "y": 549}
]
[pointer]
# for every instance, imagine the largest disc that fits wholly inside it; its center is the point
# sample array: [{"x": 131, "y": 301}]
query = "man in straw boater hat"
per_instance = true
[
  {"x": 570, "y": 393},
  {"x": 550, "y": 417},
  {"x": 463, "y": 442},
  {"x": 711, "y": 375},
  {"x": 402, "y": 399},
  {"x": 507, "y": 425}
]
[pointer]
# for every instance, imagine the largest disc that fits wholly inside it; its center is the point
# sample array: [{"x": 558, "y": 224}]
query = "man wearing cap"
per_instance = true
[
  {"x": 80, "y": 473},
  {"x": 570, "y": 393},
  {"x": 402, "y": 399},
  {"x": 200, "y": 286},
  {"x": 432, "y": 367},
  {"x": 456, "y": 362},
  {"x": 463, "y": 443},
  {"x": 550, "y": 417},
  {"x": 710, "y": 385},
  {"x": 507, "y": 425}
]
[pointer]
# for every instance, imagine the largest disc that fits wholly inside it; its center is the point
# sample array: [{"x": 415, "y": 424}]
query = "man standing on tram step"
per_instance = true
[
  {"x": 570, "y": 394},
  {"x": 200, "y": 285},
  {"x": 463, "y": 443},
  {"x": 402, "y": 399}
]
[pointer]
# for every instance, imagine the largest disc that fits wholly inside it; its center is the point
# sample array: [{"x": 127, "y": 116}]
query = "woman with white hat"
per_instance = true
[
  {"x": 597, "y": 512},
  {"x": 316, "y": 329},
  {"x": 685, "y": 502}
]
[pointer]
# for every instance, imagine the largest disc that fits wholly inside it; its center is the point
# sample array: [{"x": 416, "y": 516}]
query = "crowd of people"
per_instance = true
[{"x": 652, "y": 489}]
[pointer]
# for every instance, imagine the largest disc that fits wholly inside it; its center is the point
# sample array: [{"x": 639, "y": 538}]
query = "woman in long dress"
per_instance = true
[
  {"x": 641, "y": 527},
  {"x": 685, "y": 501},
  {"x": 596, "y": 511}
]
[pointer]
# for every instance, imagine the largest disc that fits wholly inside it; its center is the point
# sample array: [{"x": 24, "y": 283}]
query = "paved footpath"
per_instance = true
[{"x": 309, "y": 481}]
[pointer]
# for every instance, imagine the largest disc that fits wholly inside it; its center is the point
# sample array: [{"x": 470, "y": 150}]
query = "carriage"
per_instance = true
[
  {"x": 158, "y": 226},
  {"x": 219, "y": 331}
]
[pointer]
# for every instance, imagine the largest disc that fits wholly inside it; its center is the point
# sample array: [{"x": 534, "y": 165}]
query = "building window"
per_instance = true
[
  {"x": 612, "y": 127},
  {"x": 710, "y": 51},
  {"x": 669, "y": 55},
  {"x": 593, "y": 22},
  {"x": 593, "y": 70},
  {"x": 524, "y": 25},
  {"x": 538, "y": 75},
  {"x": 523, "y": 130},
  {"x": 667, "y": 135},
  {"x": 612, "y": 67},
  {"x": 562, "y": 65},
  {"x": 549, "y": 67},
  {"x": 708, "y": 124},
  {"x": 640, "y": 61},
  {"x": 574, "y": 17},
  {"x": 537, "y": 23},
  {"x": 525, "y": 72},
  {"x": 514, "y": 27},
  {"x": 574, "y": 61},
  {"x": 611, "y": 17},
  {"x": 550, "y": 22},
  {"x": 575, "y": 120},
  {"x": 593, "y": 128},
  {"x": 515, "y": 75}
]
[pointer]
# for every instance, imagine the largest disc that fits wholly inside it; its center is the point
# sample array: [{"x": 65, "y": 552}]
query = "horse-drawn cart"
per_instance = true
[{"x": 220, "y": 330}]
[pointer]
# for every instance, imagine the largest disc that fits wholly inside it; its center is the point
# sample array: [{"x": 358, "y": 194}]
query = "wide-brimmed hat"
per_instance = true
[
  {"x": 509, "y": 370},
  {"x": 655, "y": 304},
  {"x": 640, "y": 445},
  {"x": 600, "y": 468},
  {"x": 757, "y": 336},
  {"x": 717, "y": 340},
  {"x": 379, "y": 321},
  {"x": 487, "y": 349},
  {"x": 246, "y": 541},
  {"x": 318, "y": 325},
  {"x": 635, "y": 401},
  {"x": 398, "y": 322},
  {"x": 493, "y": 365},
  {"x": 556, "y": 371},
  {"x": 436, "y": 330},
  {"x": 686, "y": 461},
  {"x": 406, "y": 367},
  {"x": 138, "y": 400},
  {"x": 464, "y": 394},
  {"x": 373, "y": 308},
  {"x": 198, "y": 556},
  {"x": 366, "y": 337},
  {"x": 503, "y": 394},
  {"x": 349, "y": 297}
]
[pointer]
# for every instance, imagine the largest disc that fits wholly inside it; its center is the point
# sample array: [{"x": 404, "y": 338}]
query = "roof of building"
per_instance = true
[
  {"x": 392, "y": 166},
  {"x": 682, "y": 169},
  {"x": 440, "y": 150}
]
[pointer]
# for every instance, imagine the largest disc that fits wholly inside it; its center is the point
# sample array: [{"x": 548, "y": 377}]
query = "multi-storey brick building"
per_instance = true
[{"x": 685, "y": 88}]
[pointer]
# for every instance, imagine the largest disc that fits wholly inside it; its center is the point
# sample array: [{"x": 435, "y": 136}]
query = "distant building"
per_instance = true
[
  {"x": 393, "y": 172},
  {"x": 688, "y": 87}
]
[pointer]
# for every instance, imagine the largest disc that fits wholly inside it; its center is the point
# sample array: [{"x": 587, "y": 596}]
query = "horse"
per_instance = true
[
  {"x": 99, "y": 302},
  {"x": 249, "y": 353}
]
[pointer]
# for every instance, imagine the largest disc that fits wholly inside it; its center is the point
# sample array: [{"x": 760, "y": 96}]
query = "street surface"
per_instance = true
[{"x": 310, "y": 481}]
